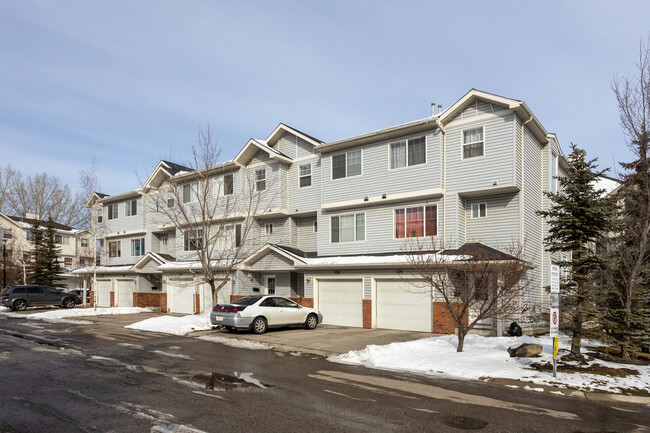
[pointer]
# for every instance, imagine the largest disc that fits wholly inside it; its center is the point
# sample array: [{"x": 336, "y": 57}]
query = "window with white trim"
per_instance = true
[
  {"x": 348, "y": 228},
  {"x": 224, "y": 185},
  {"x": 408, "y": 152},
  {"x": 83, "y": 242},
  {"x": 346, "y": 164},
  {"x": 416, "y": 222},
  {"x": 193, "y": 240},
  {"x": 62, "y": 239},
  {"x": 114, "y": 249},
  {"x": 170, "y": 198},
  {"x": 479, "y": 210},
  {"x": 163, "y": 240},
  {"x": 315, "y": 226},
  {"x": 190, "y": 192},
  {"x": 473, "y": 142},
  {"x": 260, "y": 179},
  {"x": 229, "y": 236},
  {"x": 268, "y": 229},
  {"x": 112, "y": 211},
  {"x": 131, "y": 208},
  {"x": 67, "y": 262},
  {"x": 305, "y": 175},
  {"x": 137, "y": 247}
]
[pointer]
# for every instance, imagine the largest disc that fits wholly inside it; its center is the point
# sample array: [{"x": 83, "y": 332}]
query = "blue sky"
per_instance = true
[{"x": 130, "y": 82}]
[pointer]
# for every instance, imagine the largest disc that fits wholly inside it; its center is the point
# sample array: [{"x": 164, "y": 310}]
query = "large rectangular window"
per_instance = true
[
  {"x": 229, "y": 236},
  {"x": 114, "y": 249},
  {"x": 479, "y": 210},
  {"x": 193, "y": 240},
  {"x": 224, "y": 185},
  {"x": 260, "y": 179},
  {"x": 346, "y": 164},
  {"x": 473, "y": 142},
  {"x": 62, "y": 239},
  {"x": 190, "y": 192},
  {"x": 416, "y": 222},
  {"x": 348, "y": 228},
  {"x": 112, "y": 211},
  {"x": 137, "y": 247},
  {"x": 131, "y": 208},
  {"x": 305, "y": 175},
  {"x": 408, "y": 152}
]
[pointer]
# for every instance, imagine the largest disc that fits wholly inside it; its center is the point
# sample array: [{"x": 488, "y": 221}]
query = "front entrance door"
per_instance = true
[{"x": 270, "y": 285}]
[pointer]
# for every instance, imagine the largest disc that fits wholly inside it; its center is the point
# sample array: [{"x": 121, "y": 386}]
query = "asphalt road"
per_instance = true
[{"x": 100, "y": 377}]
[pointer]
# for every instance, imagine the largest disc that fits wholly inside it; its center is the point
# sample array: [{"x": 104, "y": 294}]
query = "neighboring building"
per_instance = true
[
  {"x": 340, "y": 213},
  {"x": 74, "y": 246}
]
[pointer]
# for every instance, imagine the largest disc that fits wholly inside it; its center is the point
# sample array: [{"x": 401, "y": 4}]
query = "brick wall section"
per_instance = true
[
  {"x": 197, "y": 303},
  {"x": 305, "y": 302},
  {"x": 163, "y": 302},
  {"x": 144, "y": 300},
  {"x": 233, "y": 298},
  {"x": 442, "y": 320},
  {"x": 92, "y": 298},
  {"x": 112, "y": 299},
  {"x": 367, "y": 313}
]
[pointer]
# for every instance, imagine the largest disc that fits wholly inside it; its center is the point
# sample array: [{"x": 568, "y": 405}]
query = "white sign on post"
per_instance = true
[
  {"x": 554, "y": 322},
  {"x": 555, "y": 279}
]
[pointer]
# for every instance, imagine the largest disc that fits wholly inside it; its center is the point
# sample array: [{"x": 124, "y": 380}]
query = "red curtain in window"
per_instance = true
[
  {"x": 414, "y": 222},
  {"x": 431, "y": 220},
  {"x": 399, "y": 223}
]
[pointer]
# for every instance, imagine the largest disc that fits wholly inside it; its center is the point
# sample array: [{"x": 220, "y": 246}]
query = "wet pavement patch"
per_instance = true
[
  {"x": 216, "y": 381},
  {"x": 464, "y": 422}
]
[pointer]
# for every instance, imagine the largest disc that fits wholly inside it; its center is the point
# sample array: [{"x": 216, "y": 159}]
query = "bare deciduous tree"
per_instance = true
[
  {"x": 7, "y": 177},
  {"x": 215, "y": 213},
  {"x": 474, "y": 283},
  {"x": 90, "y": 186}
]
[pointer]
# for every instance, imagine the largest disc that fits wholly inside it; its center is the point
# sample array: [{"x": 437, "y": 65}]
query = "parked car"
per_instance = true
[
  {"x": 258, "y": 313},
  {"x": 80, "y": 293},
  {"x": 21, "y": 297}
]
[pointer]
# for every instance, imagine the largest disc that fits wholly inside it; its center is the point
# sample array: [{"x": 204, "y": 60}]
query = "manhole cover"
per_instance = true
[{"x": 464, "y": 422}]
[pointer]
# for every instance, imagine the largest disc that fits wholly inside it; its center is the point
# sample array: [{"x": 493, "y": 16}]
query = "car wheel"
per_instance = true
[
  {"x": 311, "y": 322},
  {"x": 20, "y": 305},
  {"x": 68, "y": 303},
  {"x": 259, "y": 325}
]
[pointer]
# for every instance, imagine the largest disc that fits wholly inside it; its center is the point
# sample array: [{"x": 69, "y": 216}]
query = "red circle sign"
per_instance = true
[{"x": 554, "y": 318}]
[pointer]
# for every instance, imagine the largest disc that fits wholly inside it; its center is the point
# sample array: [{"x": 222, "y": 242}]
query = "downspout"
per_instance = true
[
  {"x": 443, "y": 179},
  {"x": 521, "y": 180}
]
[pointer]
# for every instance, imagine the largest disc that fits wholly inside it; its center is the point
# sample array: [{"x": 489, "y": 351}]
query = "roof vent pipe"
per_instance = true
[
  {"x": 439, "y": 108},
  {"x": 433, "y": 108}
]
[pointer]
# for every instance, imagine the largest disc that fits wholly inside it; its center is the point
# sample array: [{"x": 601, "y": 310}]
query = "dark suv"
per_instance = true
[{"x": 21, "y": 297}]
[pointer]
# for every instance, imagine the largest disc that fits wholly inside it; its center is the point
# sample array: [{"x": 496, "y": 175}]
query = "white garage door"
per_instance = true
[
  {"x": 180, "y": 296},
  {"x": 104, "y": 288},
  {"x": 223, "y": 297},
  {"x": 340, "y": 302},
  {"x": 124, "y": 294},
  {"x": 404, "y": 305}
]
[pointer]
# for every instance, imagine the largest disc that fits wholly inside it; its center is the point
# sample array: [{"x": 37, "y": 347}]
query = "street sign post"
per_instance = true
[
  {"x": 555, "y": 279},
  {"x": 554, "y": 304}
]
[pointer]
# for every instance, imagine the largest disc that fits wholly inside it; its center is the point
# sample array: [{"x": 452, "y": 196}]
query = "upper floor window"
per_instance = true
[
  {"x": 315, "y": 226},
  {"x": 479, "y": 210},
  {"x": 305, "y": 175},
  {"x": 224, "y": 185},
  {"x": 137, "y": 247},
  {"x": 229, "y": 236},
  {"x": 268, "y": 229},
  {"x": 29, "y": 235},
  {"x": 260, "y": 179},
  {"x": 131, "y": 208},
  {"x": 553, "y": 171},
  {"x": 83, "y": 242},
  {"x": 416, "y": 222},
  {"x": 473, "y": 142},
  {"x": 193, "y": 240},
  {"x": 115, "y": 249},
  {"x": 112, "y": 211},
  {"x": 190, "y": 192},
  {"x": 100, "y": 211},
  {"x": 163, "y": 240},
  {"x": 408, "y": 152},
  {"x": 348, "y": 228},
  {"x": 346, "y": 164},
  {"x": 62, "y": 239}
]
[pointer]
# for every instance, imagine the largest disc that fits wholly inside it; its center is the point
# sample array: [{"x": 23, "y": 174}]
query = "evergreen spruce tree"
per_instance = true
[
  {"x": 579, "y": 219},
  {"x": 51, "y": 256},
  {"x": 37, "y": 273}
]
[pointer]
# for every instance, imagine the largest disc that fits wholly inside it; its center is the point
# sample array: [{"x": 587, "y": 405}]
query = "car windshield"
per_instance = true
[{"x": 248, "y": 300}]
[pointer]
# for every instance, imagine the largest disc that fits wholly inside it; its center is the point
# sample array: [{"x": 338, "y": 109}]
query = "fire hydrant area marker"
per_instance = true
[{"x": 554, "y": 311}]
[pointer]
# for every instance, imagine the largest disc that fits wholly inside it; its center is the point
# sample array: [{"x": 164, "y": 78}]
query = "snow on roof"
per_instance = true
[
  {"x": 103, "y": 269},
  {"x": 606, "y": 183},
  {"x": 194, "y": 264}
]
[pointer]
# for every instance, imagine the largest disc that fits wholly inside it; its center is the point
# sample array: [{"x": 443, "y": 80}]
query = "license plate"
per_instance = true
[{"x": 219, "y": 318}]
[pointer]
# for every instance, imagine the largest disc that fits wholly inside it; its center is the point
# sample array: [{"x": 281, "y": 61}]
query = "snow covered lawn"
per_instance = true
[
  {"x": 173, "y": 324},
  {"x": 486, "y": 357},
  {"x": 82, "y": 312}
]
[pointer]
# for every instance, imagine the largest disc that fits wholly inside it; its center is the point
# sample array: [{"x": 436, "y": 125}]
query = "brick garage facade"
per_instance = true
[
  {"x": 92, "y": 298},
  {"x": 149, "y": 300},
  {"x": 112, "y": 299},
  {"x": 197, "y": 303},
  {"x": 367, "y": 313},
  {"x": 305, "y": 302},
  {"x": 442, "y": 320}
]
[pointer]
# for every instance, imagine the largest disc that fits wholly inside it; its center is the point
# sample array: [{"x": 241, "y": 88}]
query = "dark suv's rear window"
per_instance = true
[
  {"x": 33, "y": 290},
  {"x": 19, "y": 290}
]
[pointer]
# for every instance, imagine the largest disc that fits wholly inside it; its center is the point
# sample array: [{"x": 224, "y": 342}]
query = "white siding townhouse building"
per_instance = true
[{"x": 333, "y": 235}]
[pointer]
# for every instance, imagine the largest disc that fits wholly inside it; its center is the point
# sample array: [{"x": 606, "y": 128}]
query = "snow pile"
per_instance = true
[
  {"x": 173, "y": 324},
  {"x": 81, "y": 312},
  {"x": 486, "y": 357},
  {"x": 233, "y": 342}
]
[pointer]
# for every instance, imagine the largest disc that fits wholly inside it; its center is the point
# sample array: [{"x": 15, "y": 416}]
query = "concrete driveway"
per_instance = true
[{"x": 324, "y": 340}]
